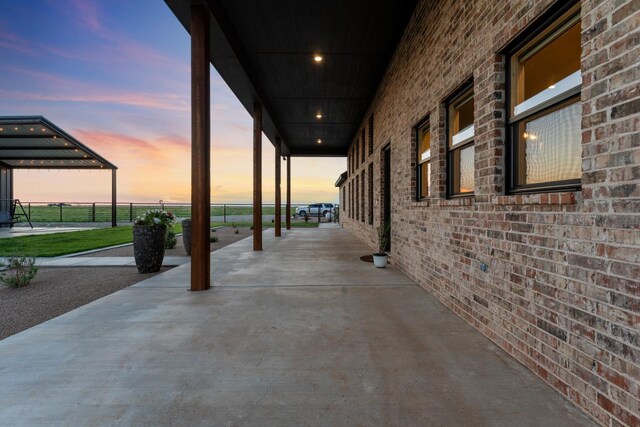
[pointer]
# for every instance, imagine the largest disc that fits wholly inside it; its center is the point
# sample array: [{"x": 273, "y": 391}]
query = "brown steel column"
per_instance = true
[
  {"x": 200, "y": 149},
  {"x": 288, "y": 192},
  {"x": 114, "y": 204},
  {"x": 257, "y": 176},
  {"x": 278, "y": 219}
]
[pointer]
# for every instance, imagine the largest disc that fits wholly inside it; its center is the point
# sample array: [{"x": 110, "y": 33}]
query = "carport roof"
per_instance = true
[
  {"x": 33, "y": 142},
  {"x": 265, "y": 49}
]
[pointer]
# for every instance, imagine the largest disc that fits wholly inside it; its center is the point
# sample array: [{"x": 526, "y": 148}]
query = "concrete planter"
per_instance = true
[
  {"x": 186, "y": 235},
  {"x": 148, "y": 247},
  {"x": 380, "y": 261}
]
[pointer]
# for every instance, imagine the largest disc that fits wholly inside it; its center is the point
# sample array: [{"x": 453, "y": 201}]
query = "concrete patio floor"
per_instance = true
[{"x": 303, "y": 333}]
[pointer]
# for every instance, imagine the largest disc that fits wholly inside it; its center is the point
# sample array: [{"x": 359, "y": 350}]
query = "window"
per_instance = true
[
  {"x": 364, "y": 145},
  {"x": 423, "y": 135},
  {"x": 351, "y": 198},
  {"x": 362, "y": 210},
  {"x": 371, "y": 134},
  {"x": 344, "y": 197},
  {"x": 370, "y": 194},
  {"x": 357, "y": 201},
  {"x": 460, "y": 146},
  {"x": 545, "y": 110}
]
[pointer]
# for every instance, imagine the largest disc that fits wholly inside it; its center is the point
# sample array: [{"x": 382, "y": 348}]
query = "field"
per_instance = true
[{"x": 126, "y": 212}]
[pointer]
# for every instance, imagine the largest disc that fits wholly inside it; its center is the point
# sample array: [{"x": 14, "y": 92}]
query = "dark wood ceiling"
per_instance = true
[{"x": 264, "y": 50}]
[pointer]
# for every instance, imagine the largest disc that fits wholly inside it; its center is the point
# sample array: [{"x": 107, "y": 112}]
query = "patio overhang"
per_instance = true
[
  {"x": 33, "y": 142},
  {"x": 264, "y": 50}
]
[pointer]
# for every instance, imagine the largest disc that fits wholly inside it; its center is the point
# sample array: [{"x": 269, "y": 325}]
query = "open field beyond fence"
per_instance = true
[{"x": 47, "y": 212}]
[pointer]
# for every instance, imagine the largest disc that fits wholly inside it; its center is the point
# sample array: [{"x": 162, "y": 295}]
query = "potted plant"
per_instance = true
[
  {"x": 186, "y": 235},
  {"x": 380, "y": 258},
  {"x": 149, "y": 239}
]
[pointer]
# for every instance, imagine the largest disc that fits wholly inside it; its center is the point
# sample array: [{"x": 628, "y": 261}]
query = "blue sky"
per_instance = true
[{"x": 115, "y": 74}]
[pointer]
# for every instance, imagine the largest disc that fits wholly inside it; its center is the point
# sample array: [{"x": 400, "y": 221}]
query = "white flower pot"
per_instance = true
[{"x": 380, "y": 261}]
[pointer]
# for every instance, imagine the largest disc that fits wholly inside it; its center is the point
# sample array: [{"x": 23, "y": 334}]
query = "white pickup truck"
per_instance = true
[{"x": 315, "y": 209}]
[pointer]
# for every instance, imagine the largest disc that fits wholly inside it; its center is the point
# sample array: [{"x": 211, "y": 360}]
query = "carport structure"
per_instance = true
[
  {"x": 33, "y": 142},
  {"x": 305, "y": 72}
]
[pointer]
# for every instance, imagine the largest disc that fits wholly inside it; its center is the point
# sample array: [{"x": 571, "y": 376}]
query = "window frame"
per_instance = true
[
  {"x": 464, "y": 93},
  {"x": 542, "y": 33},
  {"x": 419, "y": 162}
]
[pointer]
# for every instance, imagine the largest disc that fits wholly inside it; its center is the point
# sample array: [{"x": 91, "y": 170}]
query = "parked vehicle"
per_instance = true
[{"x": 315, "y": 209}]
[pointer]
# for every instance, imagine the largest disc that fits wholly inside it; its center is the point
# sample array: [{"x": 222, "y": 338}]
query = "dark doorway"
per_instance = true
[{"x": 386, "y": 197}]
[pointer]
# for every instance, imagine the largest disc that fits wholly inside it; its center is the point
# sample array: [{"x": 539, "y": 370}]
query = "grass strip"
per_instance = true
[{"x": 56, "y": 244}]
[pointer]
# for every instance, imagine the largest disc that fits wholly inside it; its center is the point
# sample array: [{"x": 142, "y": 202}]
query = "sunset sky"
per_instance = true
[{"x": 115, "y": 74}]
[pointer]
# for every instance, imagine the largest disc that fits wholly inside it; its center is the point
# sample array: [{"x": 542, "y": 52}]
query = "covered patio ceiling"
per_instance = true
[
  {"x": 265, "y": 49},
  {"x": 33, "y": 142}
]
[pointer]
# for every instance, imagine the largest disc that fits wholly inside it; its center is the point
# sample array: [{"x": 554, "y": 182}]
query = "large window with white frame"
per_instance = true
[
  {"x": 423, "y": 136},
  {"x": 460, "y": 146},
  {"x": 544, "y": 107}
]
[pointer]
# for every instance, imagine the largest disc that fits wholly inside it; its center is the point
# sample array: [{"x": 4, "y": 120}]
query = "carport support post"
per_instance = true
[
  {"x": 257, "y": 176},
  {"x": 200, "y": 150},
  {"x": 114, "y": 205},
  {"x": 288, "y": 193},
  {"x": 278, "y": 219}
]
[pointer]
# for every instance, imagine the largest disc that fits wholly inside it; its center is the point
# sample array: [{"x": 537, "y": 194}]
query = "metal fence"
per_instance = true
[{"x": 52, "y": 212}]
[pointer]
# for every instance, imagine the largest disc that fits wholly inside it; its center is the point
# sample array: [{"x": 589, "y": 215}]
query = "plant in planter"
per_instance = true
[
  {"x": 150, "y": 238},
  {"x": 171, "y": 240},
  {"x": 380, "y": 258},
  {"x": 186, "y": 235}
]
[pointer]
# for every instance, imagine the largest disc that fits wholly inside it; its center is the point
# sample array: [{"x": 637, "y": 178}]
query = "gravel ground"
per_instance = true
[{"x": 55, "y": 291}]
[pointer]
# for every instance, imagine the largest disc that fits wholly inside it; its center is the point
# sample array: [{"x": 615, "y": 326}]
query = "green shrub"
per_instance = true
[
  {"x": 213, "y": 239},
  {"x": 171, "y": 240},
  {"x": 19, "y": 271},
  {"x": 237, "y": 231}
]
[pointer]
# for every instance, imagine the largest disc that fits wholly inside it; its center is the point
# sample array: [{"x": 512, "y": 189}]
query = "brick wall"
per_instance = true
[{"x": 562, "y": 290}]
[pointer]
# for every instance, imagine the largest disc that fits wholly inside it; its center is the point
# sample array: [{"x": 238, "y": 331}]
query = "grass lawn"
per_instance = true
[
  {"x": 49, "y": 245},
  {"x": 64, "y": 243}
]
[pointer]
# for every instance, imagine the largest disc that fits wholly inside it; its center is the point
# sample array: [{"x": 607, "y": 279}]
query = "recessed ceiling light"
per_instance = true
[
  {"x": 552, "y": 87},
  {"x": 317, "y": 58},
  {"x": 319, "y": 116}
]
